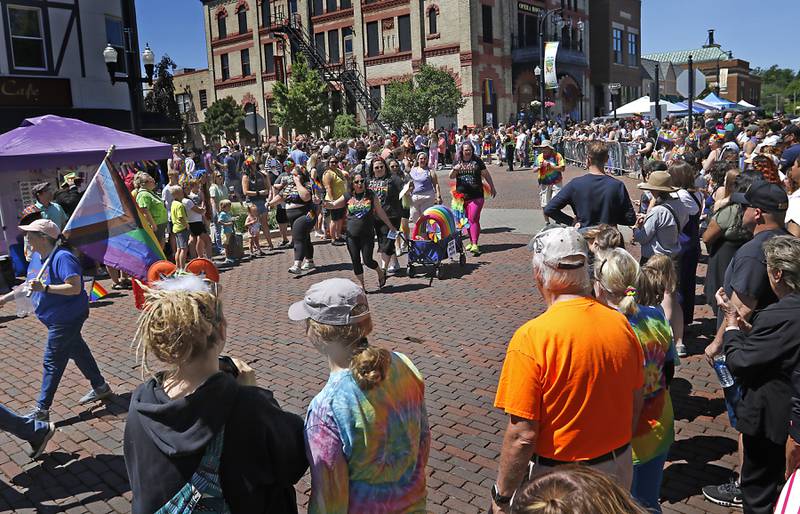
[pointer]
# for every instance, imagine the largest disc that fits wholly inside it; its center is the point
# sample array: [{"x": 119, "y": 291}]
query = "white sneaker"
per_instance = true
[
  {"x": 295, "y": 270},
  {"x": 308, "y": 265},
  {"x": 680, "y": 348}
]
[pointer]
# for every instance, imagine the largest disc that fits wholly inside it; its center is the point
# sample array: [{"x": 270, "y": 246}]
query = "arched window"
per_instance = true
[
  {"x": 242, "y": 17},
  {"x": 222, "y": 30},
  {"x": 433, "y": 20}
]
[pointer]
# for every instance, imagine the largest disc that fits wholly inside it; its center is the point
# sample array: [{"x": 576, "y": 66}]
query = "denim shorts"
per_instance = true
[{"x": 182, "y": 239}]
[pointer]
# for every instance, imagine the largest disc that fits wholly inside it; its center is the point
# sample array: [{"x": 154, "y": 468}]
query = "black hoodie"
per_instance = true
[{"x": 263, "y": 454}]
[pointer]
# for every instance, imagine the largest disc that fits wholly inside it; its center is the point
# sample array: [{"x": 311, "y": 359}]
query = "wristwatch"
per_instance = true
[{"x": 499, "y": 499}]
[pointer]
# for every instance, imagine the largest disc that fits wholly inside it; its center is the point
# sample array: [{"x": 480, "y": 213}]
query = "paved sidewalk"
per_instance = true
[{"x": 455, "y": 330}]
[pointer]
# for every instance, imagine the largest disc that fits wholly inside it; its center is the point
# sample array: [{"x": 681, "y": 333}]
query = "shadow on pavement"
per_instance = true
[
  {"x": 403, "y": 288},
  {"x": 102, "y": 476},
  {"x": 115, "y": 406},
  {"x": 682, "y": 481},
  {"x": 496, "y": 230},
  {"x": 701, "y": 449},
  {"x": 689, "y": 407},
  {"x": 501, "y": 247}
]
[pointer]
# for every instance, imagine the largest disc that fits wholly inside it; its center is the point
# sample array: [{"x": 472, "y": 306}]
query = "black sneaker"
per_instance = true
[
  {"x": 38, "y": 448},
  {"x": 727, "y": 495}
]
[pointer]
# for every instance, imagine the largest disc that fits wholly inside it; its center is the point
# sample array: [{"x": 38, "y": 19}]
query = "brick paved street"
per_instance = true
[{"x": 455, "y": 331}]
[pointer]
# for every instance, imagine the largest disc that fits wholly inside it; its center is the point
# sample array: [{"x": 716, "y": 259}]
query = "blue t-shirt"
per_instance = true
[
  {"x": 56, "y": 309},
  {"x": 225, "y": 218}
]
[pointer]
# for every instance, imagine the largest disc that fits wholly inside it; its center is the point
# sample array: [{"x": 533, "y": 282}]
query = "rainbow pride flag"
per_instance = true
[
  {"x": 97, "y": 292},
  {"x": 108, "y": 226}
]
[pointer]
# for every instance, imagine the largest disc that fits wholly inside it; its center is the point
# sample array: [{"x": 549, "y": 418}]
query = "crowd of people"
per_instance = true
[{"x": 585, "y": 385}]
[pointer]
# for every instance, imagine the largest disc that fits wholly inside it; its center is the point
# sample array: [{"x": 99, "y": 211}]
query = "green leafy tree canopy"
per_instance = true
[
  {"x": 303, "y": 103},
  {"x": 161, "y": 98},
  {"x": 780, "y": 88},
  {"x": 223, "y": 118},
  {"x": 433, "y": 92},
  {"x": 345, "y": 127}
]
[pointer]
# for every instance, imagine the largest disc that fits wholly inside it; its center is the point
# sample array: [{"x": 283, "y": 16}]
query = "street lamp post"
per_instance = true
[
  {"x": 614, "y": 89},
  {"x": 134, "y": 77},
  {"x": 542, "y": 21},
  {"x": 538, "y": 72}
]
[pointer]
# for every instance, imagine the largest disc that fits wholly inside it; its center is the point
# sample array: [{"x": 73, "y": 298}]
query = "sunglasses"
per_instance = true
[{"x": 358, "y": 182}]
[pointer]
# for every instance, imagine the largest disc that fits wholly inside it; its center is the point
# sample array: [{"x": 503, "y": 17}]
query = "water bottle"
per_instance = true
[{"x": 723, "y": 373}]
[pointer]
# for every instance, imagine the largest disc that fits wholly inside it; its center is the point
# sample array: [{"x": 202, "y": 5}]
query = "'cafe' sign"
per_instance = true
[{"x": 34, "y": 92}]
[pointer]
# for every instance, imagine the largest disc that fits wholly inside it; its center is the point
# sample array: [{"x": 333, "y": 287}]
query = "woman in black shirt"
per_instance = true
[
  {"x": 295, "y": 193},
  {"x": 386, "y": 189},
  {"x": 470, "y": 172},
  {"x": 361, "y": 209}
]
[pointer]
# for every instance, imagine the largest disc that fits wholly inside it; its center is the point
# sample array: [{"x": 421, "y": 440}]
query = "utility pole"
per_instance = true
[
  {"x": 691, "y": 94},
  {"x": 658, "y": 92}
]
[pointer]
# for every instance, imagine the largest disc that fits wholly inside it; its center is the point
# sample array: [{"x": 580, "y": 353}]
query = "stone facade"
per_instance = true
[{"x": 193, "y": 90}]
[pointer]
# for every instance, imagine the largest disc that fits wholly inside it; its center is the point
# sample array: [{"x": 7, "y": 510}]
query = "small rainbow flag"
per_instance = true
[{"x": 97, "y": 292}]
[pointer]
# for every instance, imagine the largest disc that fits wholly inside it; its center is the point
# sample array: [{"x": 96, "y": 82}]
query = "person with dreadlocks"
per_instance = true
[{"x": 190, "y": 419}]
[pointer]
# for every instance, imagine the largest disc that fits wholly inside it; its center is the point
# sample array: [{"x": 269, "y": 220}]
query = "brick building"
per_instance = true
[
  {"x": 385, "y": 40},
  {"x": 616, "y": 52}
]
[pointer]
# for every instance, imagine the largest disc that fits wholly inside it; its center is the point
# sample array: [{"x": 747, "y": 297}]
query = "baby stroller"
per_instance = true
[{"x": 434, "y": 239}]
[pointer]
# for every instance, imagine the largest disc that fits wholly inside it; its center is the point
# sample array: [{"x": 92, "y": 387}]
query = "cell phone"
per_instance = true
[{"x": 392, "y": 234}]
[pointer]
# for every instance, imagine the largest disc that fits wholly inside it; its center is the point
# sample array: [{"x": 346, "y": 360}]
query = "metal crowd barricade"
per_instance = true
[{"x": 623, "y": 158}]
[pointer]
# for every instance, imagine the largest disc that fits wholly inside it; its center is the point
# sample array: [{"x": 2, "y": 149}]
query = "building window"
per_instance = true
[
  {"x": 222, "y": 30},
  {"x": 203, "y": 99},
  {"x": 404, "y": 31},
  {"x": 433, "y": 22},
  {"x": 242, "y": 17},
  {"x": 333, "y": 46},
  {"x": 347, "y": 40},
  {"x": 114, "y": 36},
  {"x": 319, "y": 44},
  {"x": 375, "y": 94},
  {"x": 488, "y": 29},
  {"x": 617, "y": 41},
  {"x": 373, "y": 39},
  {"x": 346, "y": 4},
  {"x": 27, "y": 38},
  {"x": 330, "y": 5},
  {"x": 225, "y": 66},
  {"x": 245, "y": 62},
  {"x": 269, "y": 58},
  {"x": 265, "y": 14},
  {"x": 633, "y": 49},
  {"x": 317, "y": 7},
  {"x": 184, "y": 101}
]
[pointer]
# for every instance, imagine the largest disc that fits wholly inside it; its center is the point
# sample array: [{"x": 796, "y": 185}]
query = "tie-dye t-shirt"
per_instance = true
[
  {"x": 656, "y": 431},
  {"x": 547, "y": 168},
  {"x": 368, "y": 449}
]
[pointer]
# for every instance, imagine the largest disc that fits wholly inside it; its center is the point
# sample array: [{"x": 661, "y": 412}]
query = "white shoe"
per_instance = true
[
  {"x": 308, "y": 265},
  {"x": 295, "y": 270}
]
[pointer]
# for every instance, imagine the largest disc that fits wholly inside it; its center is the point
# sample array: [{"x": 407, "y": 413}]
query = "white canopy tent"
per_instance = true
[{"x": 643, "y": 105}]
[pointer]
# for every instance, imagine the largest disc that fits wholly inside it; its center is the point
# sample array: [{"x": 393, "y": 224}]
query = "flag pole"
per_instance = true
[{"x": 61, "y": 240}]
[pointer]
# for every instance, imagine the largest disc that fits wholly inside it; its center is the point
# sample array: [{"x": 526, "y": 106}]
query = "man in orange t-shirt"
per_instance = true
[{"x": 571, "y": 382}]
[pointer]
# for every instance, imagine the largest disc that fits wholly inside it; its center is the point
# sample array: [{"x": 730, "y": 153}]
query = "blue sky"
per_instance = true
[{"x": 762, "y": 32}]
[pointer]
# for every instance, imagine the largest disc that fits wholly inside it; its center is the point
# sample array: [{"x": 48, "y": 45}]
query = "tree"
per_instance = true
[
  {"x": 161, "y": 98},
  {"x": 433, "y": 92},
  {"x": 778, "y": 84},
  {"x": 223, "y": 118},
  {"x": 303, "y": 104},
  {"x": 345, "y": 127}
]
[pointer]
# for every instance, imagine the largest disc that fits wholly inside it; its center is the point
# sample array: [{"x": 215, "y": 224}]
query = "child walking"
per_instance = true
[
  {"x": 180, "y": 226},
  {"x": 225, "y": 221},
  {"x": 253, "y": 227}
]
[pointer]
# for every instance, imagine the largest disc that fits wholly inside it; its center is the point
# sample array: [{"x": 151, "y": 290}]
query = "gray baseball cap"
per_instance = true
[
  {"x": 562, "y": 247},
  {"x": 331, "y": 302}
]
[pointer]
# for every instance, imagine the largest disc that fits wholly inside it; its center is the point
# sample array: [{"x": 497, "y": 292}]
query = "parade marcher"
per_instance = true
[
  {"x": 549, "y": 167},
  {"x": 256, "y": 187},
  {"x": 387, "y": 189},
  {"x": 764, "y": 356},
  {"x": 295, "y": 192},
  {"x": 425, "y": 192},
  {"x": 334, "y": 180},
  {"x": 61, "y": 304},
  {"x": 367, "y": 433},
  {"x": 469, "y": 171},
  {"x": 49, "y": 209},
  {"x": 192, "y": 431},
  {"x": 595, "y": 197},
  {"x": 361, "y": 207},
  {"x": 571, "y": 370}
]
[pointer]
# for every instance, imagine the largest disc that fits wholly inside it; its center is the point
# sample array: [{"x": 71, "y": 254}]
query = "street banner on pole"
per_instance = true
[
  {"x": 723, "y": 80},
  {"x": 550, "y": 79}
]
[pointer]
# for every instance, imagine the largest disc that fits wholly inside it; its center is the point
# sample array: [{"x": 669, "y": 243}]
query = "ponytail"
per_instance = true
[
  {"x": 618, "y": 274},
  {"x": 369, "y": 365}
]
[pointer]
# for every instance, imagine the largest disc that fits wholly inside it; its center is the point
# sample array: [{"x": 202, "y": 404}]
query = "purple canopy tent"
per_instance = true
[
  {"x": 34, "y": 152},
  {"x": 52, "y": 141}
]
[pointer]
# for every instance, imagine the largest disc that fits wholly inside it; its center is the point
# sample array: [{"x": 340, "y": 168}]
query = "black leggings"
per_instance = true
[
  {"x": 302, "y": 224},
  {"x": 386, "y": 246},
  {"x": 360, "y": 249}
]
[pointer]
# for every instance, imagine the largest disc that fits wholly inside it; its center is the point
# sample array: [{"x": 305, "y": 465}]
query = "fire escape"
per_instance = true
[{"x": 346, "y": 73}]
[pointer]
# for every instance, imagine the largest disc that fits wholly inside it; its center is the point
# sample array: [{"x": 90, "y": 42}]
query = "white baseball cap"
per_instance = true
[
  {"x": 331, "y": 302},
  {"x": 42, "y": 226},
  {"x": 562, "y": 247}
]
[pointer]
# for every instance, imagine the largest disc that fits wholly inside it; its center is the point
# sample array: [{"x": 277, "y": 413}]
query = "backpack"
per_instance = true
[
  {"x": 683, "y": 239},
  {"x": 203, "y": 493}
]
